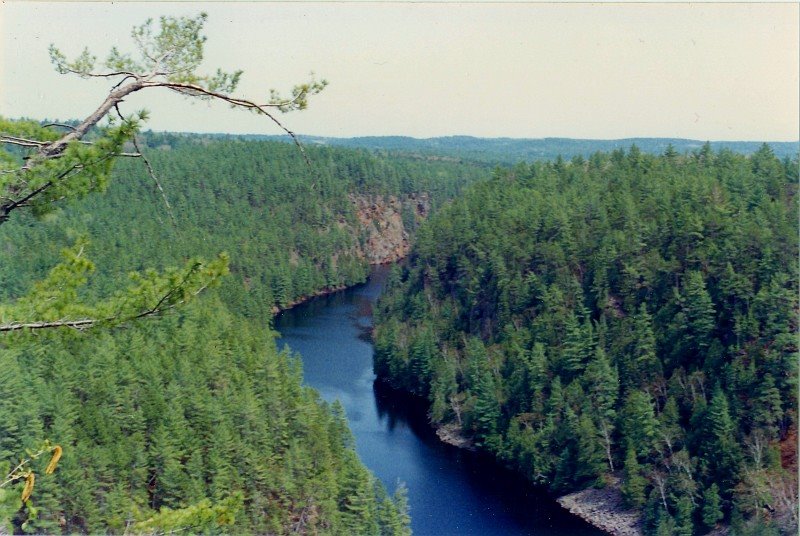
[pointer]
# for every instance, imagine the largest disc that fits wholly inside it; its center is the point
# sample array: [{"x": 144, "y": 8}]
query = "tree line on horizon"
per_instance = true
[{"x": 510, "y": 151}]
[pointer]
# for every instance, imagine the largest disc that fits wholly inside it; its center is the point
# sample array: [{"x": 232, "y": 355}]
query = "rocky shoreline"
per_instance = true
[
  {"x": 604, "y": 509},
  {"x": 601, "y": 508},
  {"x": 451, "y": 434}
]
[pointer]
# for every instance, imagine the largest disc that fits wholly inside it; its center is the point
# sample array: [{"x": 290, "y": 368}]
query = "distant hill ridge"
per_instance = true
[{"x": 513, "y": 150}]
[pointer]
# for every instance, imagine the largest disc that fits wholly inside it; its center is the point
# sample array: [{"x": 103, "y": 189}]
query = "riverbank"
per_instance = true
[
  {"x": 302, "y": 299},
  {"x": 601, "y": 508},
  {"x": 330, "y": 290},
  {"x": 604, "y": 508}
]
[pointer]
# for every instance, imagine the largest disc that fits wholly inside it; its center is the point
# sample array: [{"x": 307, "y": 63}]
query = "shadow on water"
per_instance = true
[
  {"x": 450, "y": 491},
  {"x": 532, "y": 510},
  {"x": 399, "y": 408}
]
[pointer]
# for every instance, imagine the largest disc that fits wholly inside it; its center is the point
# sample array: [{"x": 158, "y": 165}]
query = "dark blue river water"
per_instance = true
[{"x": 450, "y": 491}]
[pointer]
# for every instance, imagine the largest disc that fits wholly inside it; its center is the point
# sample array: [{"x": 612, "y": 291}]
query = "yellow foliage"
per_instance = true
[{"x": 54, "y": 460}]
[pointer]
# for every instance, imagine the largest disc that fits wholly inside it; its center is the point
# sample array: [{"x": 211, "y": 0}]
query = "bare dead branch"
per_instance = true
[
  {"x": 194, "y": 90},
  {"x": 63, "y": 125},
  {"x": 97, "y": 75},
  {"x": 22, "y": 142},
  {"x": 122, "y": 81},
  {"x": 17, "y": 326},
  {"x": 153, "y": 176}
]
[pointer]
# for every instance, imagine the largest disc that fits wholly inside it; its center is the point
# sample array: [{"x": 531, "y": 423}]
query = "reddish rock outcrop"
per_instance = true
[{"x": 385, "y": 238}]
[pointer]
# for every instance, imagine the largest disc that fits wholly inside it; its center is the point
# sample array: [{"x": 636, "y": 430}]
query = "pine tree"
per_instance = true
[
  {"x": 683, "y": 517},
  {"x": 637, "y": 422},
  {"x": 712, "y": 506},
  {"x": 602, "y": 383},
  {"x": 393, "y": 517},
  {"x": 645, "y": 364},
  {"x": 578, "y": 344},
  {"x": 666, "y": 525},
  {"x": 591, "y": 461},
  {"x": 722, "y": 450},
  {"x": 767, "y": 408},
  {"x": 486, "y": 413},
  {"x": 633, "y": 483},
  {"x": 700, "y": 313},
  {"x": 669, "y": 428}
]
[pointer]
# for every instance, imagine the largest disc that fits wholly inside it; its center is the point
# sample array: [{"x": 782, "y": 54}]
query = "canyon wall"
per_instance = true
[{"x": 386, "y": 223}]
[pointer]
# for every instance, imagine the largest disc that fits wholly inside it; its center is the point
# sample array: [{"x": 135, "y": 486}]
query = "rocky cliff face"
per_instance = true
[
  {"x": 386, "y": 222},
  {"x": 385, "y": 225}
]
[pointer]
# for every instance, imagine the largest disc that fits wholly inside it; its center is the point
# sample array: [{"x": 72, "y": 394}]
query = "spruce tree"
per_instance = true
[
  {"x": 712, "y": 506},
  {"x": 633, "y": 483}
]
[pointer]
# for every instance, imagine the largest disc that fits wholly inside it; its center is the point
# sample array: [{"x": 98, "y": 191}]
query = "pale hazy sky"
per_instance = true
[{"x": 703, "y": 71}]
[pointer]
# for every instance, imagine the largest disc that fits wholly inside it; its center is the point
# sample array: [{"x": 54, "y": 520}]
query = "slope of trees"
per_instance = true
[
  {"x": 195, "y": 420},
  {"x": 627, "y": 315},
  {"x": 197, "y": 415},
  {"x": 289, "y": 226},
  {"x": 197, "y": 408}
]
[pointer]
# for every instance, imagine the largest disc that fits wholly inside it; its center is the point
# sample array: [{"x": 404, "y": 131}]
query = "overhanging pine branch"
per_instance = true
[{"x": 161, "y": 306}]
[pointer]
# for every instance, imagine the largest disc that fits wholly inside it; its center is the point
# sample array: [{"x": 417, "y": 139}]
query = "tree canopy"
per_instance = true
[{"x": 628, "y": 311}]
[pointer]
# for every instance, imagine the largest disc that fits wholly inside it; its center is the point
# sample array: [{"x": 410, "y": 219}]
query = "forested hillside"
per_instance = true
[
  {"x": 290, "y": 227},
  {"x": 195, "y": 412},
  {"x": 624, "y": 316}
]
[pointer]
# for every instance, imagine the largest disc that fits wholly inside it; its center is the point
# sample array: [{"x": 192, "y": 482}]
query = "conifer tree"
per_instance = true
[
  {"x": 700, "y": 313},
  {"x": 683, "y": 517},
  {"x": 767, "y": 407},
  {"x": 645, "y": 364},
  {"x": 633, "y": 483},
  {"x": 602, "y": 384},
  {"x": 638, "y": 423},
  {"x": 712, "y": 507},
  {"x": 723, "y": 451}
]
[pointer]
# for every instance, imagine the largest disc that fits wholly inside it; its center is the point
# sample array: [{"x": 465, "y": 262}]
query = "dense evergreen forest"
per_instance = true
[
  {"x": 195, "y": 420},
  {"x": 289, "y": 226},
  {"x": 624, "y": 320},
  {"x": 190, "y": 422}
]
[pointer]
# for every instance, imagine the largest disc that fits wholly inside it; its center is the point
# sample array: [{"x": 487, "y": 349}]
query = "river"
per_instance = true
[{"x": 450, "y": 491}]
